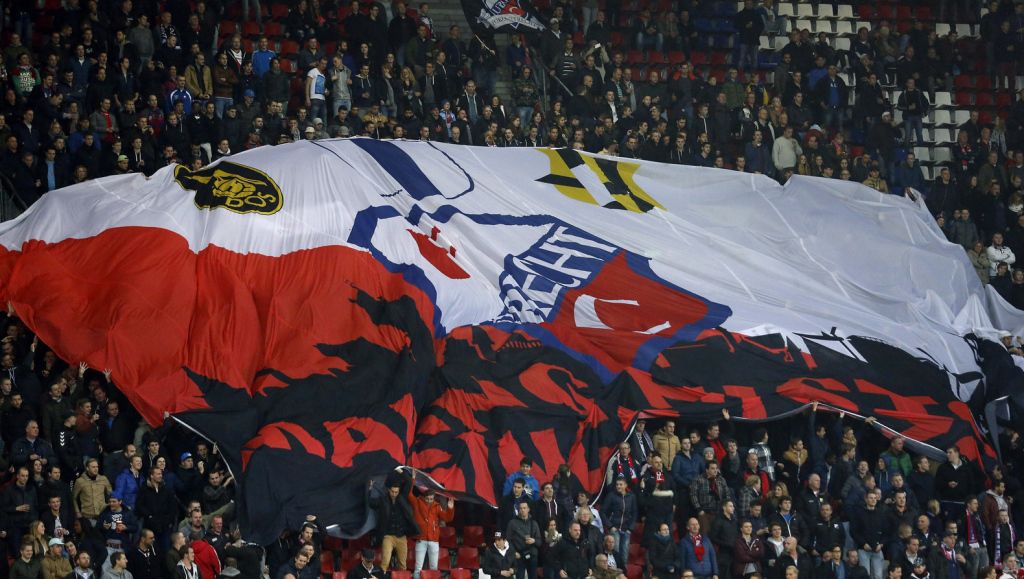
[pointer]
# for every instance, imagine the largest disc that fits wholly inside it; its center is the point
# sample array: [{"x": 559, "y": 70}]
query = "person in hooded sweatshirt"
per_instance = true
[
  {"x": 186, "y": 567},
  {"x": 118, "y": 567}
]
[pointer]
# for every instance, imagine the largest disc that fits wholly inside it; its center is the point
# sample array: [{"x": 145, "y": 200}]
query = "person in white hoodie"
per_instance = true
[{"x": 997, "y": 252}]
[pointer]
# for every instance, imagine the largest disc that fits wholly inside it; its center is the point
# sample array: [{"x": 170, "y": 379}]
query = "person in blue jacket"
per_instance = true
[
  {"x": 698, "y": 555},
  {"x": 532, "y": 486}
]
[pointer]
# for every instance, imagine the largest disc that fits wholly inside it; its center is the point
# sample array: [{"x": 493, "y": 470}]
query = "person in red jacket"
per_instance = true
[
  {"x": 429, "y": 513},
  {"x": 206, "y": 556}
]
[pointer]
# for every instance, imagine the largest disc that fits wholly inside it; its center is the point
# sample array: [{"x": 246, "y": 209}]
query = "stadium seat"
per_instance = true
[
  {"x": 676, "y": 57},
  {"x": 634, "y": 572},
  {"x": 923, "y": 13},
  {"x": 472, "y": 535},
  {"x": 467, "y": 574},
  {"x": 923, "y": 154},
  {"x": 941, "y": 155},
  {"x": 289, "y": 48},
  {"x": 279, "y": 11},
  {"x": 786, "y": 10},
  {"x": 963, "y": 99},
  {"x": 804, "y": 10},
  {"x": 1003, "y": 100},
  {"x": 430, "y": 574},
  {"x": 339, "y": 575},
  {"x": 804, "y": 24},
  {"x": 982, "y": 82},
  {"x": 865, "y": 12},
  {"x": 326, "y": 563},
  {"x": 942, "y": 136},
  {"x": 983, "y": 99},
  {"x": 844, "y": 27},
  {"x": 448, "y": 538},
  {"x": 964, "y": 31},
  {"x": 840, "y": 43},
  {"x": 961, "y": 116},
  {"x": 227, "y": 27},
  {"x": 943, "y": 99},
  {"x": 825, "y": 11},
  {"x": 444, "y": 562},
  {"x": 468, "y": 558},
  {"x": 885, "y": 12},
  {"x": 942, "y": 29},
  {"x": 844, "y": 11},
  {"x": 400, "y": 574},
  {"x": 904, "y": 13}
]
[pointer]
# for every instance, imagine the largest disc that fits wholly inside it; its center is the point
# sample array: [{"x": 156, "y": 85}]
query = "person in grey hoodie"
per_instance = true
[{"x": 118, "y": 567}]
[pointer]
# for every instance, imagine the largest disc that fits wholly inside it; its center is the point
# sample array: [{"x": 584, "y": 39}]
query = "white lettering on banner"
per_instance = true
[{"x": 534, "y": 280}]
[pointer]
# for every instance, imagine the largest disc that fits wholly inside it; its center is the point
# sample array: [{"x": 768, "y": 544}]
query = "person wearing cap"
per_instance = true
[
  {"x": 318, "y": 129},
  {"x": 55, "y": 565},
  {"x": 499, "y": 558},
  {"x": 429, "y": 514},
  {"x": 395, "y": 519},
  {"x": 122, "y": 167},
  {"x": 366, "y": 568},
  {"x": 248, "y": 109},
  {"x": 118, "y": 524},
  {"x": 309, "y": 134}
]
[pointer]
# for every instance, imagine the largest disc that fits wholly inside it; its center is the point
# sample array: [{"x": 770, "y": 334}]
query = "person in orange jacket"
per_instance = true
[{"x": 429, "y": 513}]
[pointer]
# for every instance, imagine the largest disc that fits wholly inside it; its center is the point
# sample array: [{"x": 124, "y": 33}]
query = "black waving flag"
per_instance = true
[{"x": 501, "y": 16}]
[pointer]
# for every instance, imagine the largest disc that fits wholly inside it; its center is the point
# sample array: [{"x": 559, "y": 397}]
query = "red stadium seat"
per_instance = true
[
  {"x": 279, "y": 11},
  {"x": 698, "y": 58},
  {"x": 473, "y": 535},
  {"x": 326, "y": 563},
  {"x": 983, "y": 99},
  {"x": 430, "y": 574},
  {"x": 251, "y": 29},
  {"x": 467, "y": 574},
  {"x": 468, "y": 558},
  {"x": 885, "y": 12},
  {"x": 1003, "y": 100},
  {"x": 718, "y": 58},
  {"x": 444, "y": 562},
  {"x": 655, "y": 57},
  {"x": 289, "y": 47},
  {"x": 448, "y": 539},
  {"x": 923, "y": 13},
  {"x": 400, "y": 574},
  {"x": 634, "y": 57},
  {"x": 982, "y": 82},
  {"x": 273, "y": 29},
  {"x": 634, "y": 572},
  {"x": 963, "y": 98},
  {"x": 963, "y": 81},
  {"x": 904, "y": 13},
  {"x": 339, "y": 575},
  {"x": 865, "y": 12},
  {"x": 676, "y": 57}
]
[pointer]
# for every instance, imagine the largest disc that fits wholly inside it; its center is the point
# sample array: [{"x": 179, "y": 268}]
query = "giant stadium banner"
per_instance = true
[{"x": 330, "y": 310}]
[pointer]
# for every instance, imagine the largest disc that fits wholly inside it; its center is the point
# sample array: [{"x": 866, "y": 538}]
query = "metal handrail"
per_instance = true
[{"x": 11, "y": 204}]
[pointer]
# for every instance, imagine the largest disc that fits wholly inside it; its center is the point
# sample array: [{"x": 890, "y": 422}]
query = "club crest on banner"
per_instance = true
[
  {"x": 234, "y": 187},
  {"x": 605, "y": 182}
]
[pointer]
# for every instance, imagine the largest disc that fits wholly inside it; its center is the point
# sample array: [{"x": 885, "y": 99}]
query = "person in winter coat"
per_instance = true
[
  {"x": 698, "y": 554},
  {"x": 748, "y": 551},
  {"x": 395, "y": 519},
  {"x": 156, "y": 505},
  {"x": 997, "y": 252},
  {"x": 499, "y": 558},
  {"x": 55, "y": 565},
  {"x": 524, "y": 534},
  {"x": 572, "y": 555},
  {"x": 429, "y": 514},
  {"x": 979, "y": 259},
  {"x": 723, "y": 534},
  {"x": 129, "y": 482},
  {"x": 620, "y": 515},
  {"x": 666, "y": 443},
  {"x": 663, "y": 554}
]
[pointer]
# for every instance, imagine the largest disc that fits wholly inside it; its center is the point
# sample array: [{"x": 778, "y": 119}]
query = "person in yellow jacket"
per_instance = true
[
  {"x": 666, "y": 443},
  {"x": 91, "y": 492}
]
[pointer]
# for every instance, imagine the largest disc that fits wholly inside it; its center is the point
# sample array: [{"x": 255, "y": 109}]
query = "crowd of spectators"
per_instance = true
[{"x": 833, "y": 500}]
